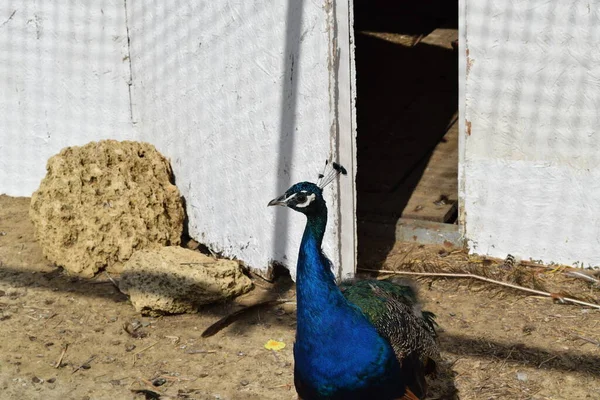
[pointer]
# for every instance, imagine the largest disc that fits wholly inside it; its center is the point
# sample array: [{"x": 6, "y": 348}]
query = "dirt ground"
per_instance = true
[{"x": 64, "y": 338}]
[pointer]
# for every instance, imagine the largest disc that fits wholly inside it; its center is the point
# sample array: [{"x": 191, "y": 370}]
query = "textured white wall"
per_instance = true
[
  {"x": 241, "y": 95},
  {"x": 531, "y": 97},
  {"x": 63, "y": 81}
]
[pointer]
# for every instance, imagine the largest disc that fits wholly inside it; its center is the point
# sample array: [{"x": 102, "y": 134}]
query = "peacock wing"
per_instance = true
[{"x": 393, "y": 308}]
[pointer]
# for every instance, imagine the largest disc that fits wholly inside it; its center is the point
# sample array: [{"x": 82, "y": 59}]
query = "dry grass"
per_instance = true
[
  {"x": 500, "y": 343},
  {"x": 561, "y": 281}
]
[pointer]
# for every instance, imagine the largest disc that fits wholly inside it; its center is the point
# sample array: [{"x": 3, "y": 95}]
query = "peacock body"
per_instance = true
[{"x": 366, "y": 339}]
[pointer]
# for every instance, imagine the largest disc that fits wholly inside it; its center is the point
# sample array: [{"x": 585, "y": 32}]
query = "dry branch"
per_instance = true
[
  {"x": 62, "y": 355},
  {"x": 482, "y": 278},
  {"x": 86, "y": 363}
]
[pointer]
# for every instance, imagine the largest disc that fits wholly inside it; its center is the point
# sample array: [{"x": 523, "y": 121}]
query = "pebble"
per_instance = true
[
  {"x": 522, "y": 376},
  {"x": 130, "y": 347},
  {"x": 244, "y": 383},
  {"x": 159, "y": 382},
  {"x": 51, "y": 380}
]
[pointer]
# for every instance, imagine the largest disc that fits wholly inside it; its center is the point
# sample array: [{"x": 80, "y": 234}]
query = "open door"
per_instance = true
[{"x": 343, "y": 71}]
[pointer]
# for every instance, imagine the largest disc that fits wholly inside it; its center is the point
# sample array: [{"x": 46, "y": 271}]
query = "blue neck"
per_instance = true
[
  {"x": 330, "y": 329},
  {"x": 316, "y": 290}
]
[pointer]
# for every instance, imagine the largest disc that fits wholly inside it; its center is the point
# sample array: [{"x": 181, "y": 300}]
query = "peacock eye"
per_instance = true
[{"x": 300, "y": 198}]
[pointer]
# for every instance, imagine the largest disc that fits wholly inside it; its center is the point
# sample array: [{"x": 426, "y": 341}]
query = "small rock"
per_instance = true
[
  {"x": 130, "y": 347},
  {"x": 49, "y": 344},
  {"x": 159, "y": 382},
  {"x": 135, "y": 324},
  {"x": 35, "y": 379},
  {"x": 51, "y": 380},
  {"x": 115, "y": 342},
  {"x": 203, "y": 375},
  {"x": 4, "y": 317},
  {"x": 527, "y": 329},
  {"x": 174, "y": 280},
  {"x": 452, "y": 314},
  {"x": 244, "y": 383},
  {"x": 522, "y": 376}
]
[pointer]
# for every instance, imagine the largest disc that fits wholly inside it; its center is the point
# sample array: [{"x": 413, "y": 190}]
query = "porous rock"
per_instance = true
[
  {"x": 101, "y": 202},
  {"x": 174, "y": 280}
]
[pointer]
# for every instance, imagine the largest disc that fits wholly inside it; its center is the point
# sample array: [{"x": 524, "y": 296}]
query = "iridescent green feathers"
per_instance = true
[{"x": 392, "y": 307}]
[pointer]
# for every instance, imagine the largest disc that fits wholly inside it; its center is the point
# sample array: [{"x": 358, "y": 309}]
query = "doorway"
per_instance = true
[{"x": 407, "y": 122}]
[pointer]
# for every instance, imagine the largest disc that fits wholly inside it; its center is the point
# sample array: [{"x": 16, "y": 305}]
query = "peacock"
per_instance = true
[{"x": 363, "y": 339}]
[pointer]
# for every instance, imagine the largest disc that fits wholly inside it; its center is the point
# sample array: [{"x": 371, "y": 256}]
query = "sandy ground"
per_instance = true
[{"x": 496, "y": 345}]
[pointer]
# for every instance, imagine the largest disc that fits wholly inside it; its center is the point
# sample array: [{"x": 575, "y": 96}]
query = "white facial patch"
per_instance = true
[
  {"x": 309, "y": 199},
  {"x": 289, "y": 197}
]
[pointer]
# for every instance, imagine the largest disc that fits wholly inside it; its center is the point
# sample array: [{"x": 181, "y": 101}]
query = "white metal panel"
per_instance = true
[
  {"x": 64, "y": 78},
  {"x": 239, "y": 95},
  {"x": 529, "y": 174}
]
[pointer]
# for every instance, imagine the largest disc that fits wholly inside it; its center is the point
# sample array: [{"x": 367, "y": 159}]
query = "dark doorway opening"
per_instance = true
[{"x": 407, "y": 120}]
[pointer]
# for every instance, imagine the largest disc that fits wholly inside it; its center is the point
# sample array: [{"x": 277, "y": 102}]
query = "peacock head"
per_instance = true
[
  {"x": 307, "y": 197},
  {"x": 304, "y": 197}
]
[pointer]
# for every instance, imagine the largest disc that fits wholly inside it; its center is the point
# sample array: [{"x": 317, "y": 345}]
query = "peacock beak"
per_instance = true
[{"x": 280, "y": 201}]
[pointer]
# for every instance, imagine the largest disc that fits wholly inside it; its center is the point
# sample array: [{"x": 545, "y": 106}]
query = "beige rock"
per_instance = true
[
  {"x": 174, "y": 280},
  {"x": 101, "y": 202}
]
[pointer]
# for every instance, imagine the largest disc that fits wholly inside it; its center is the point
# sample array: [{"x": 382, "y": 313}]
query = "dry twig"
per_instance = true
[
  {"x": 111, "y": 279},
  {"x": 142, "y": 350},
  {"x": 62, "y": 355},
  {"x": 87, "y": 362},
  {"x": 592, "y": 341},
  {"x": 200, "y": 351},
  {"x": 482, "y": 278}
]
